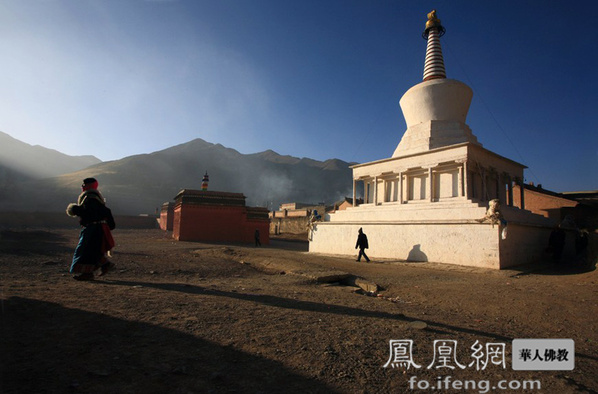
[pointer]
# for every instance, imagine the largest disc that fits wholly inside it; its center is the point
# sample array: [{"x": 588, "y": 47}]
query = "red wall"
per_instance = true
[
  {"x": 167, "y": 218},
  {"x": 213, "y": 223},
  {"x": 263, "y": 226},
  {"x": 541, "y": 203}
]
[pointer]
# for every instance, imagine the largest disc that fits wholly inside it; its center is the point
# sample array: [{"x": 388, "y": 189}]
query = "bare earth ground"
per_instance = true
[{"x": 183, "y": 317}]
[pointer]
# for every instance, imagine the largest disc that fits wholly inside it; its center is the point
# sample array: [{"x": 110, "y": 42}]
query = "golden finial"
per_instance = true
[{"x": 433, "y": 22}]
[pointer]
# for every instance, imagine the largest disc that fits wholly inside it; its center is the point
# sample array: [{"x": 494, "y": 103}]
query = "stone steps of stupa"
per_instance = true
[{"x": 413, "y": 211}]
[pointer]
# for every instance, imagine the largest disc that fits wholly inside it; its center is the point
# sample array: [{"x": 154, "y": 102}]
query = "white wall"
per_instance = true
[
  {"x": 463, "y": 244},
  {"x": 468, "y": 244}
]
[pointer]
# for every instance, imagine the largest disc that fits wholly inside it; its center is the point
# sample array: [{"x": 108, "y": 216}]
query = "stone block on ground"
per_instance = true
[
  {"x": 363, "y": 284},
  {"x": 328, "y": 276}
]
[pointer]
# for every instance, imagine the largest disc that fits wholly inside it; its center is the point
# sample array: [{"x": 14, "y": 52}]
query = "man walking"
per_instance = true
[{"x": 362, "y": 244}]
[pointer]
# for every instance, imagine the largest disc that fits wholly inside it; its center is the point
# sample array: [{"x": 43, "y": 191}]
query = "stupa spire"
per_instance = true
[{"x": 434, "y": 65}]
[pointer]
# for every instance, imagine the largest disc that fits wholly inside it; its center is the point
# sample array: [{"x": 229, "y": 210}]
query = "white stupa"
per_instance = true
[{"x": 428, "y": 201}]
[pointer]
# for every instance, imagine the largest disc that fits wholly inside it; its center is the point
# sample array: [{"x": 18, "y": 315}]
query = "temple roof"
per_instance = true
[{"x": 204, "y": 197}]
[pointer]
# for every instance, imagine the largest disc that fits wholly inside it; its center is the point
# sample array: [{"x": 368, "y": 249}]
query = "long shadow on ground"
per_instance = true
[
  {"x": 281, "y": 302},
  {"x": 33, "y": 243},
  {"x": 308, "y": 306},
  {"x": 48, "y": 348}
]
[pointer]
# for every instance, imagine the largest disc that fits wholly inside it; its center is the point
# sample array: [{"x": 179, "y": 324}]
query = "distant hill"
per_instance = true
[
  {"x": 141, "y": 183},
  {"x": 36, "y": 162}
]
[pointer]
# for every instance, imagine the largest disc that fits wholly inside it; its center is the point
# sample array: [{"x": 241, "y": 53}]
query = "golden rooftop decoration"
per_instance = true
[{"x": 433, "y": 22}]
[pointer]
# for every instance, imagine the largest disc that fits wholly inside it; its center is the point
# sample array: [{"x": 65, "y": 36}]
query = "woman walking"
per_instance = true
[{"x": 95, "y": 239}]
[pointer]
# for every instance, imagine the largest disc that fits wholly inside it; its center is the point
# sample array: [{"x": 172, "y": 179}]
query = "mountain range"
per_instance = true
[
  {"x": 140, "y": 184},
  {"x": 36, "y": 162}
]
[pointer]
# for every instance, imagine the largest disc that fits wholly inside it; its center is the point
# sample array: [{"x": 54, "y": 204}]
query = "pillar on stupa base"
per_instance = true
[{"x": 429, "y": 201}]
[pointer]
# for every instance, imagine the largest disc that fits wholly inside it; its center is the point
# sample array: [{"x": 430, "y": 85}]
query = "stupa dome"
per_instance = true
[{"x": 436, "y": 99}]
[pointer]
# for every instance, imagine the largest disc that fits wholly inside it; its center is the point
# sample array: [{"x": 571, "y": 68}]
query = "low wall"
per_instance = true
[
  {"x": 62, "y": 220},
  {"x": 463, "y": 244},
  {"x": 526, "y": 244},
  {"x": 297, "y": 225},
  {"x": 468, "y": 244}
]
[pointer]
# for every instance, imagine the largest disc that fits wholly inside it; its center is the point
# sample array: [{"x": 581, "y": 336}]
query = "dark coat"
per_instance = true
[
  {"x": 91, "y": 208},
  {"x": 362, "y": 241},
  {"x": 95, "y": 238}
]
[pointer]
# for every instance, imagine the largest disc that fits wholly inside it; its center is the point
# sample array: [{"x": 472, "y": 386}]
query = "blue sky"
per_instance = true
[{"x": 319, "y": 79}]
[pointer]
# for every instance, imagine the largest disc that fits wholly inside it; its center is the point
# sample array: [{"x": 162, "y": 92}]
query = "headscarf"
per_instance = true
[{"x": 89, "y": 183}]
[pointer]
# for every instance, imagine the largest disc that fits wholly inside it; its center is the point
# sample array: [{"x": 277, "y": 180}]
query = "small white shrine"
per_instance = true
[{"x": 428, "y": 202}]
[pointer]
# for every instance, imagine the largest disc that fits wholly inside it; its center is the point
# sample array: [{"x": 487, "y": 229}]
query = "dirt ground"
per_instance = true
[{"x": 184, "y": 317}]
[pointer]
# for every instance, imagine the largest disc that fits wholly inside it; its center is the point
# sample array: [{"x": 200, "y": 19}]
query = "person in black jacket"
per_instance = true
[
  {"x": 95, "y": 239},
  {"x": 362, "y": 244},
  {"x": 257, "y": 238}
]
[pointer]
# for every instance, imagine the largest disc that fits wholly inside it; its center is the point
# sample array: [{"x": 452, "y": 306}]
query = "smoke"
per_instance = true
[{"x": 269, "y": 190}]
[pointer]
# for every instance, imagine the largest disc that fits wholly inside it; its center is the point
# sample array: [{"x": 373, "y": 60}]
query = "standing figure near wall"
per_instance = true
[
  {"x": 257, "y": 237},
  {"x": 362, "y": 244}
]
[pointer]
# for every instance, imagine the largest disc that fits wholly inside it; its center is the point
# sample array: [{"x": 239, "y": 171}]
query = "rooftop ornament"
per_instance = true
[
  {"x": 204, "y": 182},
  {"x": 433, "y": 22}
]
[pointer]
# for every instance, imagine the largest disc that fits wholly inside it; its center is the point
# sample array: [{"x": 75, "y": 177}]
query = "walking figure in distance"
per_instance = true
[
  {"x": 362, "y": 244},
  {"x": 257, "y": 238},
  {"x": 95, "y": 239}
]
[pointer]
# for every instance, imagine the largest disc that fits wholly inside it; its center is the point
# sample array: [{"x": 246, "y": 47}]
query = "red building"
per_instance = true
[
  {"x": 211, "y": 216},
  {"x": 167, "y": 216}
]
